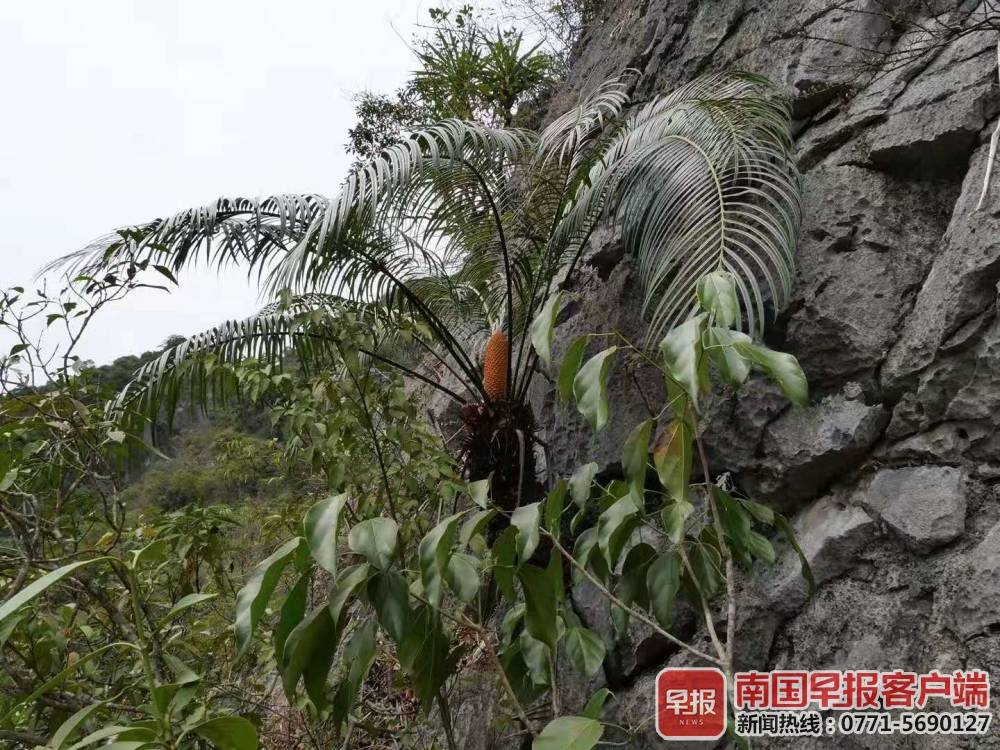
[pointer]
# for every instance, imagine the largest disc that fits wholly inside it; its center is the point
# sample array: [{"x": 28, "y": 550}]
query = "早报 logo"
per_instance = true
[{"x": 690, "y": 703}]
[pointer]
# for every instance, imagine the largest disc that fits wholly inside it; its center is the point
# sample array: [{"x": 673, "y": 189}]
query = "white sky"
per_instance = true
[{"x": 118, "y": 111}]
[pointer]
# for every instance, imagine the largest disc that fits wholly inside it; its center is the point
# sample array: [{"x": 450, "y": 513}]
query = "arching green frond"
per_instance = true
[{"x": 699, "y": 180}]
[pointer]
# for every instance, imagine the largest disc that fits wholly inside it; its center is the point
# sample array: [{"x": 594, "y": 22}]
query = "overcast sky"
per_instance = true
[{"x": 118, "y": 111}]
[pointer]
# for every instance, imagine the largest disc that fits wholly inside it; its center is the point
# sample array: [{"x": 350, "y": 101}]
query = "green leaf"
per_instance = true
[
  {"x": 614, "y": 527},
  {"x": 596, "y": 703},
  {"x": 526, "y": 519},
  {"x": 782, "y": 368},
  {"x": 434, "y": 551},
  {"x": 554, "y": 508},
  {"x": 310, "y": 648},
  {"x": 590, "y": 386},
  {"x": 293, "y": 609},
  {"x": 543, "y": 328},
  {"x": 760, "y": 547},
  {"x": 375, "y": 539},
  {"x": 672, "y": 456},
  {"x": 504, "y": 555},
  {"x": 462, "y": 576},
  {"x": 586, "y": 649},
  {"x": 682, "y": 351},
  {"x": 674, "y": 515},
  {"x": 475, "y": 525},
  {"x": 706, "y": 563},
  {"x": 321, "y": 525},
  {"x": 632, "y": 588},
  {"x": 390, "y": 596},
  {"x": 735, "y": 521},
  {"x": 581, "y": 482},
  {"x": 721, "y": 349},
  {"x": 761, "y": 512},
  {"x": 184, "y": 674},
  {"x": 39, "y": 585},
  {"x": 424, "y": 655},
  {"x": 536, "y": 657},
  {"x": 635, "y": 456},
  {"x": 570, "y": 367},
  {"x": 569, "y": 733},
  {"x": 359, "y": 653},
  {"x": 228, "y": 733},
  {"x": 540, "y": 605},
  {"x": 479, "y": 491},
  {"x": 781, "y": 523},
  {"x": 717, "y": 295},
  {"x": 185, "y": 603},
  {"x": 663, "y": 581},
  {"x": 251, "y": 601},
  {"x": 70, "y": 727}
]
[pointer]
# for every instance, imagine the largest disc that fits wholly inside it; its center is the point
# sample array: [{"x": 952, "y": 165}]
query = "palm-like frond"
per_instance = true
[
  {"x": 698, "y": 180},
  {"x": 461, "y": 229}
]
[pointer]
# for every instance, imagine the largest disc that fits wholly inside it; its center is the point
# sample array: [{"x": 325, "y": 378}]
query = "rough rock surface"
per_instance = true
[
  {"x": 925, "y": 505},
  {"x": 892, "y": 471}
]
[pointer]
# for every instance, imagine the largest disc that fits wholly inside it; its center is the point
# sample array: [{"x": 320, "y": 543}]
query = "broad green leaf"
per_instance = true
[
  {"x": 614, "y": 527},
  {"x": 761, "y": 512},
  {"x": 390, "y": 596},
  {"x": 674, "y": 515},
  {"x": 782, "y": 368},
  {"x": 781, "y": 523},
  {"x": 185, "y": 603},
  {"x": 39, "y": 585},
  {"x": 736, "y": 522},
  {"x": 321, "y": 525},
  {"x": 184, "y": 674},
  {"x": 569, "y": 733},
  {"x": 504, "y": 555},
  {"x": 722, "y": 350},
  {"x": 462, "y": 575},
  {"x": 293, "y": 609},
  {"x": 375, "y": 539},
  {"x": 543, "y": 327},
  {"x": 310, "y": 648},
  {"x": 586, "y": 649},
  {"x": 581, "y": 482},
  {"x": 104, "y": 733},
  {"x": 663, "y": 581},
  {"x": 570, "y": 367},
  {"x": 717, "y": 295},
  {"x": 434, "y": 551},
  {"x": 479, "y": 491},
  {"x": 596, "y": 703},
  {"x": 251, "y": 601},
  {"x": 554, "y": 508},
  {"x": 526, "y": 519},
  {"x": 590, "y": 387},
  {"x": 706, "y": 563},
  {"x": 632, "y": 588},
  {"x": 536, "y": 657},
  {"x": 540, "y": 605},
  {"x": 228, "y": 733},
  {"x": 760, "y": 547},
  {"x": 425, "y": 655},
  {"x": 672, "y": 456},
  {"x": 70, "y": 727},
  {"x": 682, "y": 350},
  {"x": 475, "y": 525},
  {"x": 359, "y": 653},
  {"x": 635, "y": 456}
]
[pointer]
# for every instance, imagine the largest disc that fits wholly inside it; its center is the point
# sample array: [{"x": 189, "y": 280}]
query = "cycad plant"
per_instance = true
[{"x": 461, "y": 233}]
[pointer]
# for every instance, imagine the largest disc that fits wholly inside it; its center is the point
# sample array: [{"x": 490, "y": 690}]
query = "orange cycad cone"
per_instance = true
[{"x": 495, "y": 366}]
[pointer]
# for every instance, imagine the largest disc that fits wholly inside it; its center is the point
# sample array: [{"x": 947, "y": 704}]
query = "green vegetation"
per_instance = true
[{"x": 322, "y": 580}]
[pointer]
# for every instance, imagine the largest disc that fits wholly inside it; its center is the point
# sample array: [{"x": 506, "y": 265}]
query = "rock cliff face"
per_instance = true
[{"x": 892, "y": 471}]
